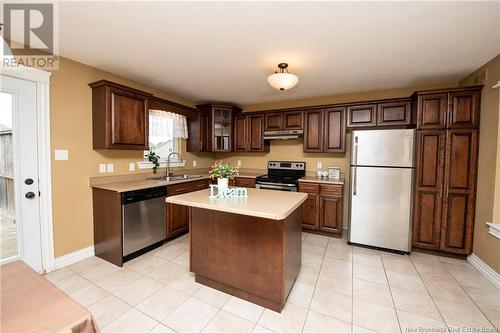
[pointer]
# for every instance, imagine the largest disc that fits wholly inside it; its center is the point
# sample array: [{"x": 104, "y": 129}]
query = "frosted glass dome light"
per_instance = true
[{"x": 281, "y": 79}]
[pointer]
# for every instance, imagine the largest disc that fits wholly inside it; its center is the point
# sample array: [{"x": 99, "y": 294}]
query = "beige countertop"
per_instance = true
[
  {"x": 274, "y": 205},
  {"x": 313, "y": 179},
  {"x": 140, "y": 184}
]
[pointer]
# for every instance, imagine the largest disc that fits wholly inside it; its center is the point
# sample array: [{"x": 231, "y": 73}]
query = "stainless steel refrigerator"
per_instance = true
[{"x": 381, "y": 188}]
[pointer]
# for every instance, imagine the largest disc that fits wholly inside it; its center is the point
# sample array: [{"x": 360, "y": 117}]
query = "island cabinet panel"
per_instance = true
[
  {"x": 428, "y": 189},
  {"x": 253, "y": 258},
  {"x": 335, "y": 130},
  {"x": 313, "y": 131},
  {"x": 362, "y": 115},
  {"x": 108, "y": 242},
  {"x": 120, "y": 117},
  {"x": 394, "y": 113}
]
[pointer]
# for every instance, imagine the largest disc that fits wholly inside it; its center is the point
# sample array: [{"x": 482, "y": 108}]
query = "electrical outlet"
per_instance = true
[
  {"x": 194, "y": 163},
  {"x": 239, "y": 163},
  {"x": 131, "y": 167},
  {"x": 102, "y": 168},
  {"x": 110, "y": 167},
  {"x": 319, "y": 165}
]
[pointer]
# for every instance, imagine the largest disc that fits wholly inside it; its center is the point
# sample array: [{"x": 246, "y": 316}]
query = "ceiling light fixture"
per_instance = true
[{"x": 281, "y": 79}]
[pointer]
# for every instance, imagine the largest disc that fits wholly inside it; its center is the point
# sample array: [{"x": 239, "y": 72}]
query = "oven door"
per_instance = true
[{"x": 279, "y": 187}]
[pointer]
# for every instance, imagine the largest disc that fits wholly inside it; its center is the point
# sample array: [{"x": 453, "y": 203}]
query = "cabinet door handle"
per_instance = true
[{"x": 450, "y": 118}]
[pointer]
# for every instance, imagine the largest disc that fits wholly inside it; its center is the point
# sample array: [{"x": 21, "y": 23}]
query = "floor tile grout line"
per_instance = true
[
  {"x": 429, "y": 293},
  {"x": 474, "y": 302},
  {"x": 315, "y": 285},
  {"x": 392, "y": 297}
]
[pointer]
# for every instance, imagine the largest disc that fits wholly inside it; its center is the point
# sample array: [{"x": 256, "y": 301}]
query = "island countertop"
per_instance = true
[{"x": 274, "y": 205}]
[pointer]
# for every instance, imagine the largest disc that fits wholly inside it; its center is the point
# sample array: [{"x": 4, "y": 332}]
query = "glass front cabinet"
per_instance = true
[{"x": 220, "y": 129}]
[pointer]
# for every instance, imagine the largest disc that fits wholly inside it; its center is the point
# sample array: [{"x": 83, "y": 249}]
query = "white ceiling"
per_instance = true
[{"x": 223, "y": 51}]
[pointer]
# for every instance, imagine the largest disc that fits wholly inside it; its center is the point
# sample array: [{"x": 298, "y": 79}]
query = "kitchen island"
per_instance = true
[{"x": 247, "y": 247}]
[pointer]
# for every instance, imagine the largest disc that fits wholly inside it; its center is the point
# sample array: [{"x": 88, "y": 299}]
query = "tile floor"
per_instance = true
[{"x": 339, "y": 289}]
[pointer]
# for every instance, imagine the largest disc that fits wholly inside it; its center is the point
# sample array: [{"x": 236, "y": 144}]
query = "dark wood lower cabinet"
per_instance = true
[
  {"x": 244, "y": 182},
  {"x": 323, "y": 210},
  {"x": 177, "y": 215},
  {"x": 445, "y": 190}
]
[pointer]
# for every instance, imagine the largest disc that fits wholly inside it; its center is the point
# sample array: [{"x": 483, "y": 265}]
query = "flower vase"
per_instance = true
[{"x": 223, "y": 184}]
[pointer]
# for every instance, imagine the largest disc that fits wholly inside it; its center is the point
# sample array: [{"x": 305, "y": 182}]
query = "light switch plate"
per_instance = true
[
  {"x": 61, "y": 154},
  {"x": 102, "y": 168},
  {"x": 131, "y": 167},
  {"x": 319, "y": 165},
  {"x": 239, "y": 163},
  {"x": 194, "y": 163},
  {"x": 110, "y": 167}
]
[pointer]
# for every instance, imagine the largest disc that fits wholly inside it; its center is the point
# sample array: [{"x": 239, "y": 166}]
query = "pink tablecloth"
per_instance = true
[{"x": 30, "y": 303}]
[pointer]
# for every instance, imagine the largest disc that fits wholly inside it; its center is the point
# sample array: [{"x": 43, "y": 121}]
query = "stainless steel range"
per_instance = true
[{"x": 282, "y": 176}]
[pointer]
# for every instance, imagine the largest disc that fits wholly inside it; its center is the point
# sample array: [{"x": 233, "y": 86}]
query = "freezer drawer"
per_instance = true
[
  {"x": 383, "y": 148},
  {"x": 380, "y": 207}
]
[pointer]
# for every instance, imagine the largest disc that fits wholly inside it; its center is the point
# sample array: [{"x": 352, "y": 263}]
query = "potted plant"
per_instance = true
[
  {"x": 223, "y": 172},
  {"x": 155, "y": 159}
]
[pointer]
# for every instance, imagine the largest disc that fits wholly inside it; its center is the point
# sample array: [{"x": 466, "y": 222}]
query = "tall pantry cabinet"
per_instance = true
[{"x": 446, "y": 170}]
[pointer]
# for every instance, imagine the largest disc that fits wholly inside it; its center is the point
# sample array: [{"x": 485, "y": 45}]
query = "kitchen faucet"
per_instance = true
[{"x": 168, "y": 172}]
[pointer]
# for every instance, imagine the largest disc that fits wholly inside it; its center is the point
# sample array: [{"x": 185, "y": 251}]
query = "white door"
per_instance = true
[
  {"x": 380, "y": 208},
  {"x": 19, "y": 196}
]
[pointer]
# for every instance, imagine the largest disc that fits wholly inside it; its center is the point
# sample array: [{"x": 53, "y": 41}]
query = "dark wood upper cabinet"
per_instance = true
[
  {"x": 313, "y": 131},
  {"x": 394, "y": 113},
  {"x": 274, "y": 121},
  {"x": 432, "y": 110},
  {"x": 335, "y": 130},
  {"x": 292, "y": 120},
  {"x": 428, "y": 189},
  {"x": 198, "y": 140},
  {"x": 249, "y": 133},
  {"x": 256, "y": 133},
  {"x": 220, "y": 125},
  {"x": 362, "y": 115},
  {"x": 240, "y": 133},
  {"x": 464, "y": 109},
  {"x": 120, "y": 116},
  {"x": 460, "y": 191}
]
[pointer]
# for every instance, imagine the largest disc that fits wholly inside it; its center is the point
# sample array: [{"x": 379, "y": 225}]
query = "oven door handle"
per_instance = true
[
  {"x": 275, "y": 187},
  {"x": 272, "y": 184}
]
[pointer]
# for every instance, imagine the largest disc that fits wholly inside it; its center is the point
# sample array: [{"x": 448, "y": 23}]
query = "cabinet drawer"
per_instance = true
[
  {"x": 334, "y": 190},
  {"x": 187, "y": 187},
  {"x": 308, "y": 187},
  {"x": 244, "y": 182}
]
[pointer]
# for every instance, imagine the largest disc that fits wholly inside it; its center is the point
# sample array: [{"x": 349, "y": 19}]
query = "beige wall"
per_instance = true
[
  {"x": 293, "y": 150},
  {"x": 71, "y": 126},
  {"x": 487, "y": 247}
]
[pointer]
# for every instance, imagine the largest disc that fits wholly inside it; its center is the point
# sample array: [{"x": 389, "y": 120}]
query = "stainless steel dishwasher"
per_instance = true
[{"x": 144, "y": 217}]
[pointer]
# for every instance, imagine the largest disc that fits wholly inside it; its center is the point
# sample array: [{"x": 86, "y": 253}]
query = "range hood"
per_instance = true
[{"x": 283, "y": 135}]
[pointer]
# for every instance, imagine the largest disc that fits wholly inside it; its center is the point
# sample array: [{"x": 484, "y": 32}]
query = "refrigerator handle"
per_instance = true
[{"x": 355, "y": 176}]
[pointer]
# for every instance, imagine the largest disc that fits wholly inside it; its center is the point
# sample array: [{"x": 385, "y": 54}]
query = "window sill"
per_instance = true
[{"x": 163, "y": 164}]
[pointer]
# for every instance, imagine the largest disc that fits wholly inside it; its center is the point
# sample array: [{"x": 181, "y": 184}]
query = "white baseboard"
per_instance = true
[
  {"x": 74, "y": 257},
  {"x": 484, "y": 269}
]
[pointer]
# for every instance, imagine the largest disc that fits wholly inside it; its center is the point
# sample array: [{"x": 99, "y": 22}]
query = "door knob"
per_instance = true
[
  {"x": 29, "y": 195},
  {"x": 28, "y": 181}
]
